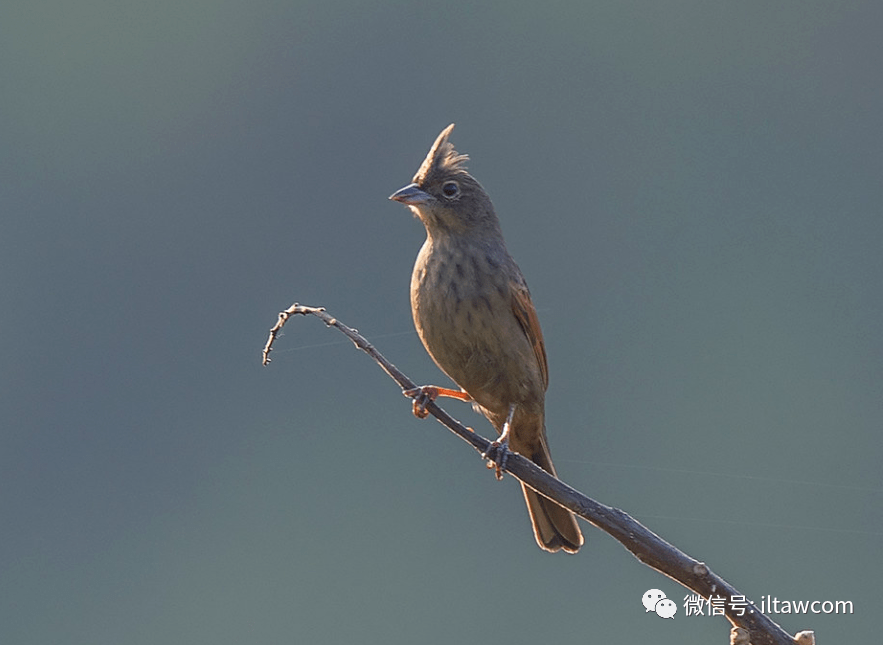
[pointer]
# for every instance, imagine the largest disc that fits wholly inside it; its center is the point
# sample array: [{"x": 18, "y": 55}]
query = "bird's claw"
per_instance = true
[
  {"x": 497, "y": 454},
  {"x": 422, "y": 396}
]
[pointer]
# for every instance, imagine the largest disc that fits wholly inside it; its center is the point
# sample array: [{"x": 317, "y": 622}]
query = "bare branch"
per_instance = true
[{"x": 645, "y": 545}]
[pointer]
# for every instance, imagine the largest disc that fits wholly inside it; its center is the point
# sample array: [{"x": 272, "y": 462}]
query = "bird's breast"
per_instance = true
[{"x": 462, "y": 310}]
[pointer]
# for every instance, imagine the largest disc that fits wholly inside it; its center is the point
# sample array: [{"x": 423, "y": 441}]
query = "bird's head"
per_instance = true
[{"x": 445, "y": 197}]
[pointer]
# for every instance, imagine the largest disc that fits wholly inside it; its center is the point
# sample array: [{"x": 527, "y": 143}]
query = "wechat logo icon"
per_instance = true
[{"x": 655, "y": 600}]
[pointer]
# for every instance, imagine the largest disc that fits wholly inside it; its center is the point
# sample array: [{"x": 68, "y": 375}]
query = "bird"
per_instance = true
[{"x": 474, "y": 315}]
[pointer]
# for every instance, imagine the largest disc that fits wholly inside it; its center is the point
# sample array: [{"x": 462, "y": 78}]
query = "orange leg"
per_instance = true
[{"x": 424, "y": 394}]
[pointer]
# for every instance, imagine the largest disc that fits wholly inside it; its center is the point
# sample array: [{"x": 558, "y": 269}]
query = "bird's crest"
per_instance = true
[{"x": 441, "y": 158}]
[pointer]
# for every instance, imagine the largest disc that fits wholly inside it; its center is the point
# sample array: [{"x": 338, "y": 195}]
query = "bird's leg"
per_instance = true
[
  {"x": 425, "y": 393},
  {"x": 498, "y": 451}
]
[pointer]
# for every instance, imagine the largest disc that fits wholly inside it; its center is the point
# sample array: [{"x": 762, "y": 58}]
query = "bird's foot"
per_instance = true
[
  {"x": 425, "y": 394},
  {"x": 497, "y": 455},
  {"x": 498, "y": 452}
]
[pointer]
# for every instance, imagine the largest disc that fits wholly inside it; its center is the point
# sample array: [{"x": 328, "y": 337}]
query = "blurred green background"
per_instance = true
[{"x": 693, "y": 190}]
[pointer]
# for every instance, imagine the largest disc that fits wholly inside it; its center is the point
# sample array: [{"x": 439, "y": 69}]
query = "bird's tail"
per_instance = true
[{"x": 554, "y": 527}]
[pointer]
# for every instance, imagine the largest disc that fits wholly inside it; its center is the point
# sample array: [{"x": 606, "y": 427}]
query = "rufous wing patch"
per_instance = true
[{"x": 526, "y": 314}]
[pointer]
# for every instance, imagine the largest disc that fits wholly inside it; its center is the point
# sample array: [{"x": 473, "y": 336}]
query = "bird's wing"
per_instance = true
[{"x": 526, "y": 314}]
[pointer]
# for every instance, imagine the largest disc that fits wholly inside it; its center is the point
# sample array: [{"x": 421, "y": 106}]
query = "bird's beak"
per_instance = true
[{"x": 411, "y": 195}]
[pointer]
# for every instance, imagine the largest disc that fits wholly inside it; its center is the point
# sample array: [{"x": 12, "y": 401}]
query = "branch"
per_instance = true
[{"x": 645, "y": 545}]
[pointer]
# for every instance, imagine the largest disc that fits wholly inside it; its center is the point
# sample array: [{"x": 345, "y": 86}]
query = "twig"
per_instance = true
[{"x": 645, "y": 545}]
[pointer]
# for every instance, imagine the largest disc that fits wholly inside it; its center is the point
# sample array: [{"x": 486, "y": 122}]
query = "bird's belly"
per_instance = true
[{"x": 477, "y": 344}]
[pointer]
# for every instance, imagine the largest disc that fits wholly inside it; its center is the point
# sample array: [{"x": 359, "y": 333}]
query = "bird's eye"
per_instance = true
[{"x": 451, "y": 189}]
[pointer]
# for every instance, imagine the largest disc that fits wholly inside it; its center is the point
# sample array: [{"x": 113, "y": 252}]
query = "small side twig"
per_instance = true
[{"x": 645, "y": 545}]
